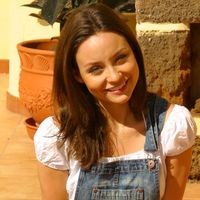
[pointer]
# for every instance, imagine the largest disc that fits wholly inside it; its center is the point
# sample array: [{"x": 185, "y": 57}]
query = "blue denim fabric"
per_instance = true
[
  {"x": 157, "y": 107},
  {"x": 130, "y": 179}
]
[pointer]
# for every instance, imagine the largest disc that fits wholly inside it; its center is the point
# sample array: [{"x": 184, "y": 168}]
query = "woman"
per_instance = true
[{"x": 109, "y": 139}]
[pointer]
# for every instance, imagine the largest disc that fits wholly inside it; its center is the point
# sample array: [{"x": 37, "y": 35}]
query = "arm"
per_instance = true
[
  {"x": 52, "y": 182},
  {"x": 177, "y": 174}
]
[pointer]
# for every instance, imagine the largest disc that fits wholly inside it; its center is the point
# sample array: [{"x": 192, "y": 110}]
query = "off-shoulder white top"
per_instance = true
[{"x": 178, "y": 135}]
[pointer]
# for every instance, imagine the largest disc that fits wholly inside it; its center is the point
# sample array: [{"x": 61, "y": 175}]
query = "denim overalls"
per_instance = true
[{"x": 130, "y": 179}]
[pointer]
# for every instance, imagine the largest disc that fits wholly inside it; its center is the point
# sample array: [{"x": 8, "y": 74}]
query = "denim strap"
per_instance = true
[{"x": 156, "y": 111}]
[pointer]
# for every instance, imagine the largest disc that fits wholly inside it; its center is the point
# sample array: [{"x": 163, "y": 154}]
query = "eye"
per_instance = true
[
  {"x": 96, "y": 69},
  {"x": 120, "y": 59}
]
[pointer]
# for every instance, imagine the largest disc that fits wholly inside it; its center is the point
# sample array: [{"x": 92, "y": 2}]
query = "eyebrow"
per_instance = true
[
  {"x": 119, "y": 51},
  {"x": 91, "y": 64},
  {"x": 113, "y": 56}
]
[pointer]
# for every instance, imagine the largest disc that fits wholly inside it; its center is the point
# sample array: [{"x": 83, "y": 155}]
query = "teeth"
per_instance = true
[{"x": 117, "y": 88}]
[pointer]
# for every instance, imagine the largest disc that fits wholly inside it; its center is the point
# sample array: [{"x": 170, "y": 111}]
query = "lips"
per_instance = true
[{"x": 117, "y": 88}]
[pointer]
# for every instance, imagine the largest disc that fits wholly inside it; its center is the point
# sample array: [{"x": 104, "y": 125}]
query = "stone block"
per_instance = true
[
  {"x": 195, "y": 61},
  {"x": 167, "y": 63},
  {"x": 171, "y": 11}
]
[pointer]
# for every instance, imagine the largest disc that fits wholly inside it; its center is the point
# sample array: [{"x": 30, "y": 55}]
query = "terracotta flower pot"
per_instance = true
[
  {"x": 36, "y": 76},
  {"x": 31, "y": 127}
]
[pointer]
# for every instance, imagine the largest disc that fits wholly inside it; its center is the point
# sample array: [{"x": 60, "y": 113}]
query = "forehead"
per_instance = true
[
  {"x": 102, "y": 42},
  {"x": 105, "y": 35}
]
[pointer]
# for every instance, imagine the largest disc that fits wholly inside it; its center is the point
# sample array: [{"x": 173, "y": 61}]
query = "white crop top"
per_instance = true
[{"x": 178, "y": 135}]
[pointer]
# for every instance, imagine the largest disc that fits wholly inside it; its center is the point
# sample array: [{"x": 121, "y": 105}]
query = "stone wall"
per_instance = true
[
  {"x": 164, "y": 33},
  {"x": 195, "y": 62}
]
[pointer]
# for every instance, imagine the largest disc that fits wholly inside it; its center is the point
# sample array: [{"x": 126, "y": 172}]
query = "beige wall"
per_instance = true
[
  {"x": 4, "y": 27},
  {"x": 22, "y": 27}
]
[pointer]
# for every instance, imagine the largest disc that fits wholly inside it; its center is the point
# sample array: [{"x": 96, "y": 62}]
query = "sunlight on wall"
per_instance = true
[
  {"x": 4, "y": 34},
  {"x": 23, "y": 27}
]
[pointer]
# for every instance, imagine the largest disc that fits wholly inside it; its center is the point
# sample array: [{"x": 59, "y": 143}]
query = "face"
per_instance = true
[{"x": 107, "y": 67}]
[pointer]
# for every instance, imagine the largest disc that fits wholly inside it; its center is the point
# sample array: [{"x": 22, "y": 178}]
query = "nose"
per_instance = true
[{"x": 113, "y": 74}]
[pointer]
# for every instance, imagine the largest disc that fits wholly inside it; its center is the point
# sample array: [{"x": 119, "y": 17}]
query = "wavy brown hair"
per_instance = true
[{"x": 82, "y": 122}]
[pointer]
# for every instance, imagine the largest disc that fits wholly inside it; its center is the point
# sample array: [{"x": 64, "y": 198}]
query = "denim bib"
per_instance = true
[{"x": 136, "y": 179}]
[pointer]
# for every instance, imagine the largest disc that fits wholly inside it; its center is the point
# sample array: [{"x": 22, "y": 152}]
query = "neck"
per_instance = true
[{"x": 119, "y": 115}]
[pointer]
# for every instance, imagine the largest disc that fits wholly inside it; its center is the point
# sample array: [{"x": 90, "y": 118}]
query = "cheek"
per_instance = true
[
  {"x": 133, "y": 70},
  {"x": 95, "y": 86},
  {"x": 134, "y": 76}
]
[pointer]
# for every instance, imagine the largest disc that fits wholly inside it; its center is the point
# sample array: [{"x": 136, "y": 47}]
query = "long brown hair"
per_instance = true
[{"x": 82, "y": 122}]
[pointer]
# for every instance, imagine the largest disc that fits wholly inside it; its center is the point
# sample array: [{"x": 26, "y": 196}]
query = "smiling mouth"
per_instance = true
[{"x": 117, "y": 87}]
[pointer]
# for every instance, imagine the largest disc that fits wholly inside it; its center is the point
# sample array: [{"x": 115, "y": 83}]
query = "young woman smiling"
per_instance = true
[{"x": 109, "y": 139}]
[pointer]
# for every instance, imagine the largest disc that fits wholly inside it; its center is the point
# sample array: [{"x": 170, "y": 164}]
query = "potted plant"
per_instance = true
[
  {"x": 37, "y": 56},
  {"x": 58, "y": 10}
]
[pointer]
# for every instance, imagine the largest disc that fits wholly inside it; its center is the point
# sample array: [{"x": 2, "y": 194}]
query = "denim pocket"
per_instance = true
[{"x": 117, "y": 194}]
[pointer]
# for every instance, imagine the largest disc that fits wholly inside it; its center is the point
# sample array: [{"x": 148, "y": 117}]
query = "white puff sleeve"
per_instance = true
[
  {"x": 46, "y": 148},
  {"x": 179, "y": 131}
]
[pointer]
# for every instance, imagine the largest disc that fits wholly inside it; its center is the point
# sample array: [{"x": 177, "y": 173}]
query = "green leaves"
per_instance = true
[
  {"x": 51, "y": 9},
  {"x": 57, "y": 10}
]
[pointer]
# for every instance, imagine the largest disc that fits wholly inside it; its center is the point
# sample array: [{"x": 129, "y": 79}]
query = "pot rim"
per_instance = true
[{"x": 21, "y": 46}]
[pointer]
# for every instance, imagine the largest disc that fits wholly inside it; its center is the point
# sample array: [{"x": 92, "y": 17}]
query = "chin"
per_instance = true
[{"x": 120, "y": 101}]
